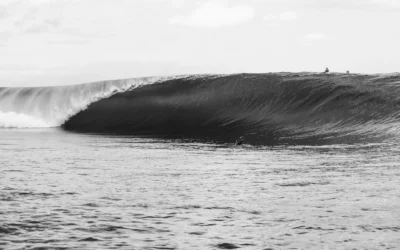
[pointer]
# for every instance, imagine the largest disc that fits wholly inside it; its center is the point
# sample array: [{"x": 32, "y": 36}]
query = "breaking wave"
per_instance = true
[
  {"x": 273, "y": 108},
  {"x": 51, "y": 106}
]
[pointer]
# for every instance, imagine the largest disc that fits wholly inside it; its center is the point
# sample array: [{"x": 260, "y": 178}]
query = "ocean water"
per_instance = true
[
  {"x": 151, "y": 163},
  {"x": 63, "y": 190}
]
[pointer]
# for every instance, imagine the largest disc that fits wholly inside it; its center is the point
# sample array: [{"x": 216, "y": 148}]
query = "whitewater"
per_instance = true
[{"x": 151, "y": 163}]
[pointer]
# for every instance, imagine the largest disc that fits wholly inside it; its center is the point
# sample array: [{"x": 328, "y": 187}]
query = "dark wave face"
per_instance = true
[{"x": 266, "y": 109}]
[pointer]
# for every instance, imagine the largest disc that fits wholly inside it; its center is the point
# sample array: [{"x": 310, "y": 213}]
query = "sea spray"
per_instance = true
[{"x": 52, "y": 106}]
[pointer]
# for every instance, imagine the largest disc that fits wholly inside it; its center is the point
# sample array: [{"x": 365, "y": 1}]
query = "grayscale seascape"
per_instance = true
[{"x": 199, "y": 124}]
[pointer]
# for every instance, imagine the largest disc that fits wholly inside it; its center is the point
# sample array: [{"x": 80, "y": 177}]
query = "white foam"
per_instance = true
[{"x": 15, "y": 120}]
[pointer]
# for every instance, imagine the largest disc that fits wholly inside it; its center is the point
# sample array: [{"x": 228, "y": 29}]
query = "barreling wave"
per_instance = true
[{"x": 274, "y": 108}]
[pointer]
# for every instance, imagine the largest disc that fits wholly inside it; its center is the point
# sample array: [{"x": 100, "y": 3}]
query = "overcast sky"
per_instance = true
[{"x": 53, "y": 42}]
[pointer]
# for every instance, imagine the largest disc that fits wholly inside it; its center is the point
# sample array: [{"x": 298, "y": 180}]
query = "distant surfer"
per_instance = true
[
  {"x": 239, "y": 141},
  {"x": 347, "y": 72},
  {"x": 326, "y": 70}
]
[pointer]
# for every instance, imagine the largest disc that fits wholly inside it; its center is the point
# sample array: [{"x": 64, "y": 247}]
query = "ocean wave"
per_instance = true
[{"x": 273, "y": 108}]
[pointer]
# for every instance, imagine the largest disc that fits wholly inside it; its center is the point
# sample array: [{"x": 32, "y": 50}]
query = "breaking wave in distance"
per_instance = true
[{"x": 272, "y": 108}]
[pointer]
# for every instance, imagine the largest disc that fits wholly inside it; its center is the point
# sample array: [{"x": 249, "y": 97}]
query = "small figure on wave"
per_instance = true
[
  {"x": 239, "y": 141},
  {"x": 326, "y": 70},
  {"x": 347, "y": 72}
]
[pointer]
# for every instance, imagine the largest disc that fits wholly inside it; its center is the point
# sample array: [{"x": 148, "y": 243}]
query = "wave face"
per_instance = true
[
  {"x": 264, "y": 108},
  {"x": 268, "y": 109}
]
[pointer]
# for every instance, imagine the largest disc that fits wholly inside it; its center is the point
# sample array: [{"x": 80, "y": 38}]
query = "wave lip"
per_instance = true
[{"x": 273, "y": 108}]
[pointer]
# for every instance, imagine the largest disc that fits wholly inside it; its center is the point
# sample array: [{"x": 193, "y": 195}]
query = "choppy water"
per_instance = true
[{"x": 62, "y": 190}]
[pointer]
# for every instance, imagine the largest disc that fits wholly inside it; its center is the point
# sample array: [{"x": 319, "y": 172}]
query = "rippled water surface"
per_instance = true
[{"x": 69, "y": 191}]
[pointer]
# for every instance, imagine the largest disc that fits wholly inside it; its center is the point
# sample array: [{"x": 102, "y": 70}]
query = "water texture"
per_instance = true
[{"x": 62, "y": 190}]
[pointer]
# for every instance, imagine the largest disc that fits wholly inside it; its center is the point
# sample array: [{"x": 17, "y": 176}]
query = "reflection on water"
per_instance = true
[{"x": 69, "y": 191}]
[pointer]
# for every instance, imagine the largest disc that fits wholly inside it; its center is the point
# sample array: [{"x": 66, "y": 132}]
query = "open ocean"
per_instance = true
[{"x": 151, "y": 163}]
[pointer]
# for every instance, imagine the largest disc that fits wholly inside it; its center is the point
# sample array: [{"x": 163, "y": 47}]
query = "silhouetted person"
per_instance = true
[
  {"x": 326, "y": 70},
  {"x": 348, "y": 72},
  {"x": 239, "y": 141}
]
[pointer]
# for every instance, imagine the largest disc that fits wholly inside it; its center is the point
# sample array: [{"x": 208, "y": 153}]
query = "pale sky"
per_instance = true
[{"x": 59, "y": 42}]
